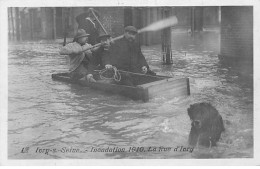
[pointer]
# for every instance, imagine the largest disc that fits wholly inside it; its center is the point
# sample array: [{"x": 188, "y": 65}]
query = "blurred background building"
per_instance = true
[{"x": 233, "y": 23}]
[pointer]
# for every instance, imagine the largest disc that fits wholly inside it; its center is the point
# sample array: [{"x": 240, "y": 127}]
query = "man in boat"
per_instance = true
[
  {"x": 88, "y": 22},
  {"x": 81, "y": 60},
  {"x": 125, "y": 54},
  {"x": 105, "y": 40}
]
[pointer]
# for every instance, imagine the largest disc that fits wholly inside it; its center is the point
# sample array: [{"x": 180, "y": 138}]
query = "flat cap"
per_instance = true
[{"x": 131, "y": 29}]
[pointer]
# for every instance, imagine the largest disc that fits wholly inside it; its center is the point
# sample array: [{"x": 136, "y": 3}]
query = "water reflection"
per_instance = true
[{"x": 49, "y": 114}]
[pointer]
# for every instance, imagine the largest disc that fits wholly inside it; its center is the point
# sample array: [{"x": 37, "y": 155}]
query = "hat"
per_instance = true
[
  {"x": 101, "y": 36},
  {"x": 131, "y": 29},
  {"x": 80, "y": 33}
]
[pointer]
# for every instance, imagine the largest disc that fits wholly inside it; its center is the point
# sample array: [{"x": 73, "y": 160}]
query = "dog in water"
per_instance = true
[{"x": 206, "y": 125}]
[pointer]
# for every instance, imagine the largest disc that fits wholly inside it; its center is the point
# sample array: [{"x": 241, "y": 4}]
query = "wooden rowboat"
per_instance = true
[{"x": 148, "y": 86}]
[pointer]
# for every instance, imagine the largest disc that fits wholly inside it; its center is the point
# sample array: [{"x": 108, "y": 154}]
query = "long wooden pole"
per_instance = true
[
  {"x": 99, "y": 44},
  {"x": 152, "y": 27},
  {"x": 92, "y": 11}
]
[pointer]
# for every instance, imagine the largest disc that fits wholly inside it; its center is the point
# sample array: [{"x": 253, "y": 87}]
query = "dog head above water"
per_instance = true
[
  {"x": 201, "y": 114},
  {"x": 207, "y": 125}
]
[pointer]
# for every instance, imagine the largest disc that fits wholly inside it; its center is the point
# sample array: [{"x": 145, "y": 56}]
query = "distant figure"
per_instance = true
[
  {"x": 125, "y": 54},
  {"x": 81, "y": 61},
  {"x": 88, "y": 22},
  {"x": 207, "y": 125}
]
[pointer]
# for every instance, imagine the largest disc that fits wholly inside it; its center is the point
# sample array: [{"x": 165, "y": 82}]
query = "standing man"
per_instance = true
[
  {"x": 125, "y": 54},
  {"x": 80, "y": 59},
  {"x": 88, "y": 22}
]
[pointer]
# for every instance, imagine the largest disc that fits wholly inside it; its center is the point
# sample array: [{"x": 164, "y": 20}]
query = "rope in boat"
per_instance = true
[{"x": 116, "y": 76}]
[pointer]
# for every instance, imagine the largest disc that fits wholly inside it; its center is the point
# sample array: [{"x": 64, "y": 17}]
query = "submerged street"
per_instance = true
[{"x": 47, "y": 114}]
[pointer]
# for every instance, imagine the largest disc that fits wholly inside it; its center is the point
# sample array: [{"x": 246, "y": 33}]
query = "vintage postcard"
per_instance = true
[{"x": 129, "y": 83}]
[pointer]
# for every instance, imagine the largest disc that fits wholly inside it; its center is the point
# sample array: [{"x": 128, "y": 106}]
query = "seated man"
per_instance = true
[
  {"x": 80, "y": 59},
  {"x": 125, "y": 54},
  {"x": 104, "y": 39}
]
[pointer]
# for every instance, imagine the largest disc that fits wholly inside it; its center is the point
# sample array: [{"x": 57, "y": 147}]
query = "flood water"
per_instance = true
[{"x": 49, "y": 119}]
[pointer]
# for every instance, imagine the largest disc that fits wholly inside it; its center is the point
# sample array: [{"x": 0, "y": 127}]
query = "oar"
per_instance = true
[
  {"x": 92, "y": 11},
  {"x": 162, "y": 24},
  {"x": 165, "y": 23}
]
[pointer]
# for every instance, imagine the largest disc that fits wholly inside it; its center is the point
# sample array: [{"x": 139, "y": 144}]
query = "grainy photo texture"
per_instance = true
[{"x": 130, "y": 82}]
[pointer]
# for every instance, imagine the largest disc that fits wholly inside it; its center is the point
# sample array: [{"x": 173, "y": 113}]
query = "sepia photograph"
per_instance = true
[{"x": 129, "y": 81}]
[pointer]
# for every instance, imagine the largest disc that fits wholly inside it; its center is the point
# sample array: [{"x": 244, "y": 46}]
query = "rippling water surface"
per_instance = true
[{"x": 47, "y": 114}]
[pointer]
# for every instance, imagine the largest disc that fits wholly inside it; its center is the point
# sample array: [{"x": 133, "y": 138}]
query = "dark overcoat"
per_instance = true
[{"x": 125, "y": 55}]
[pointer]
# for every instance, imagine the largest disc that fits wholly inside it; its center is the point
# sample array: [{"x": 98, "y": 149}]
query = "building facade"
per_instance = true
[
  {"x": 236, "y": 33},
  {"x": 56, "y": 22}
]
